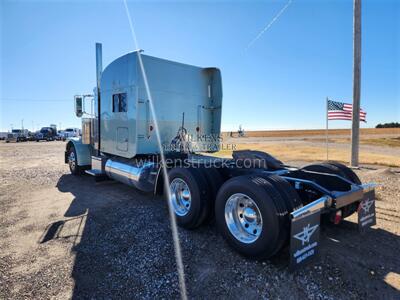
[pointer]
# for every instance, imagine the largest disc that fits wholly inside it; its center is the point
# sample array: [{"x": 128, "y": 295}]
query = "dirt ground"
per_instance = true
[{"x": 64, "y": 236}]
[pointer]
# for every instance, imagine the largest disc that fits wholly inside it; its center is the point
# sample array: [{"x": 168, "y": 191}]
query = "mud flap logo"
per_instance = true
[
  {"x": 306, "y": 234},
  {"x": 304, "y": 240},
  {"x": 366, "y": 205},
  {"x": 366, "y": 211}
]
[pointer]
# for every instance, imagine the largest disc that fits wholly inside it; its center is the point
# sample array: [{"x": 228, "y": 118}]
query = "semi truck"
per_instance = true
[
  {"x": 47, "y": 134},
  {"x": 260, "y": 205},
  {"x": 17, "y": 135},
  {"x": 69, "y": 133}
]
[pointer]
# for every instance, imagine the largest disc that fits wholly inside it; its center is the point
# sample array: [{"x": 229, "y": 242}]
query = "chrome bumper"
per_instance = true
[{"x": 339, "y": 199}]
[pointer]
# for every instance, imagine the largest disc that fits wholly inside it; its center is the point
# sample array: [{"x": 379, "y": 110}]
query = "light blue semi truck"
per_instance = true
[{"x": 260, "y": 205}]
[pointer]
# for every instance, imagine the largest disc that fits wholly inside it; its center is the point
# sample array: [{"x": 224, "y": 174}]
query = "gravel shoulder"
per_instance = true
[{"x": 68, "y": 237}]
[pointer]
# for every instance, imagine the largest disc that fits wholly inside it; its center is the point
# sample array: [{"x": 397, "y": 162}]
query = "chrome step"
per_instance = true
[{"x": 95, "y": 172}]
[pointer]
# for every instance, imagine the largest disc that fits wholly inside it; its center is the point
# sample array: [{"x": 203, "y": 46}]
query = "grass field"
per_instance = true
[
  {"x": 377, "y": 146},
  {"x": 310, "y": 153},
  {"x": 314, "y": 132},
  {"x": 385, "y": 141}
]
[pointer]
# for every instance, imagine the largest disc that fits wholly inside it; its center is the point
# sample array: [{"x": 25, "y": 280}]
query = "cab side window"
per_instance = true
[{"x": 119, "y": 102}]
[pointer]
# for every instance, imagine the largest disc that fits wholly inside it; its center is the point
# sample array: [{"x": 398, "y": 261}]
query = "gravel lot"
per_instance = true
[{"x": 69, "y": 237}]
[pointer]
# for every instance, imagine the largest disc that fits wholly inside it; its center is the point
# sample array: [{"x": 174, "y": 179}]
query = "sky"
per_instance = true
[{"x": 280, "y": 82}]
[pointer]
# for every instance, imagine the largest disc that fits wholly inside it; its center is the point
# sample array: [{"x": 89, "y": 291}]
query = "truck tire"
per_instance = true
[
  {"x": 335, "y": 169},
  {"x": 281, "y": 206},
  {"x": 247, "y": 217},
  {"x": 288, "y": 193},
  {"x": 290, "y": 198},
  {"x": 341, "y": 170},
  {"x": 189, "y": 196},
  {"x": 347, "y": 172},
  {"x": 72, "y": 162}
]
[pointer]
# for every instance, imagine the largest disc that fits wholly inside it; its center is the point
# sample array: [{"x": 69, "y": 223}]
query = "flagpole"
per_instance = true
[{"x": 327, "y": 130}]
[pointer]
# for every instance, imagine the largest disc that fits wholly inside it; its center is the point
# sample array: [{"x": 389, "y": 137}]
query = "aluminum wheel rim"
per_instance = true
[
  {"x": 71, "y": 160},
  {"x": 181, "y": 198},
  {"x": 243, "y": 218}
]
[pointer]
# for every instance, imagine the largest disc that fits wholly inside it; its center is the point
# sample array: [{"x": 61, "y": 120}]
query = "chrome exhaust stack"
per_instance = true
[{"x": 141, "y": 176}]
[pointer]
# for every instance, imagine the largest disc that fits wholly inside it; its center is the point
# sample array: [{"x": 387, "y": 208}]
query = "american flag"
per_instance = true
[{"x": 343, "y": 111}]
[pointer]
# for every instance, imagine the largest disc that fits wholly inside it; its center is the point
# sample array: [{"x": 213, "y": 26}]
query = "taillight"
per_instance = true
[{"x": 338, "y": 217}]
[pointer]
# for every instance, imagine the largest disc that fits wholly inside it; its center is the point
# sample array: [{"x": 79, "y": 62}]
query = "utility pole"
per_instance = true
[{"x": 355, "y": 128}]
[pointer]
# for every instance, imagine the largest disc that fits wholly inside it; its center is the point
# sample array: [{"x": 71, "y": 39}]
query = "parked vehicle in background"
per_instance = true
[
  {"x": 70, "y": 133},
  {"x": 60, "y": 136},
  {"x": 54, "y": 126},
  {"x": 3, "y": 135},
  {"x": 17, "y": 135},
  {"x": 31, "y": 136},
  {"x": 46, "y": 134}
]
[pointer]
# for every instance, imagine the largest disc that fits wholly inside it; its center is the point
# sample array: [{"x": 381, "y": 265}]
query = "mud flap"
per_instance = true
[
  {"x": 366, "y": 212},
  {"x": 304, "y": 239}
]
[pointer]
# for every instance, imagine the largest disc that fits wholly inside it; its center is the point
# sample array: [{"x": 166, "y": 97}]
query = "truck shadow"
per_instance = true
[
  {"x": 124, "y": 242},
  {"x": 125, "y": 250}
]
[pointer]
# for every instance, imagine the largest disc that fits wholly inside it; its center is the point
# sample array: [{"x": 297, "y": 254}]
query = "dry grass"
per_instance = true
[
  {"x": 390, "y": 141},
  {"x": 386, "y": 137},
  {"x": 287, "y": 152},
  {"x": 313, "y": 132}
]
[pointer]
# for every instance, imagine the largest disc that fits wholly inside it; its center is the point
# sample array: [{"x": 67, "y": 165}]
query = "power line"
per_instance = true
[{"x": 269, "y": 24}]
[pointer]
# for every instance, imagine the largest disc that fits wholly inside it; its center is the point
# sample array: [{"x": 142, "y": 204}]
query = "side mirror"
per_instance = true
[{"x": 78, "y": 106}]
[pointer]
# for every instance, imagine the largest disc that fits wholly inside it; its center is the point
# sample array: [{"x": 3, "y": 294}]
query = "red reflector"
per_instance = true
[{"x": 338, "y": 217}]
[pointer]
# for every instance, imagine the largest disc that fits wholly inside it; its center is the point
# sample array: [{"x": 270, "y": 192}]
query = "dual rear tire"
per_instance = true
[
  {"x": 252, "y": 214},
  {"x": 251, "y": 211}
]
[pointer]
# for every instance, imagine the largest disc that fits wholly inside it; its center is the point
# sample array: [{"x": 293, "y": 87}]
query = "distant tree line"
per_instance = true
[{"x": 388, "y": 125}]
